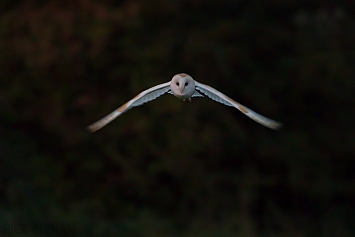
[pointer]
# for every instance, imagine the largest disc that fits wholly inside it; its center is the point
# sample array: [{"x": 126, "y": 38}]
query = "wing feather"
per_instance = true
[
  {"x": 143, "y": 97},
  {"x": 222, "y": 98},
  {"x": 196, "y": 94}
]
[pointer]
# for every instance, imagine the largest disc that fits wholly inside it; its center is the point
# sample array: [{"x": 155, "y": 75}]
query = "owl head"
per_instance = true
[{"x": 182, "y": 85}]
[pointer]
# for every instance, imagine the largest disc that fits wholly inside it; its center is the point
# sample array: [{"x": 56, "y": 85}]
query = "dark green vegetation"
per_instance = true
[{"x": 170, "y": 168}]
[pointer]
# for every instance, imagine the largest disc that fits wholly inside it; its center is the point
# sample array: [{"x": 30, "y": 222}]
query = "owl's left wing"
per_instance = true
[
  {"x": 222, "y": 98},
  {"x": 141, "y": 98}
]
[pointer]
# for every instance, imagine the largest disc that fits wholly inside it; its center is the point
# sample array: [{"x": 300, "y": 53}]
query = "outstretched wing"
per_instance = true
[
  {"x": 141, "y": 98},
  {"x": 222, "y": 98}
]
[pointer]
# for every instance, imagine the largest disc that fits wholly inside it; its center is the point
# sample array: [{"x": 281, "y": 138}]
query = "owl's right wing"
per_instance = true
[{"x": 141, "y": 98}]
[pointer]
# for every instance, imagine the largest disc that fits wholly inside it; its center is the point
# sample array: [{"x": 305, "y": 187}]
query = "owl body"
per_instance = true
[{"x": 183, "y": 87}]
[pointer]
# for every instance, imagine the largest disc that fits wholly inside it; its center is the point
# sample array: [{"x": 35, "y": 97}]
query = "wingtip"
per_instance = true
[
  {"x": 277, "y": 126},
  {"x": 91, "y": 128}
]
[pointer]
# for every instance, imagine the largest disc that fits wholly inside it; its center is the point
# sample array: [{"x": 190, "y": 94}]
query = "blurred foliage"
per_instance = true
[{"x": 171, "y": 168}]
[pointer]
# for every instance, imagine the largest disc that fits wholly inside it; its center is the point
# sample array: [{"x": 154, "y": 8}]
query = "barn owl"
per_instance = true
[{"x": 183, "y": 87}]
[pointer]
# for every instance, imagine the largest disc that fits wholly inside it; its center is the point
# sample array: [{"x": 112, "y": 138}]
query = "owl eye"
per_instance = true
[
  {"x": 177, "y": 83},
  {"x": 186, "y": 83}
]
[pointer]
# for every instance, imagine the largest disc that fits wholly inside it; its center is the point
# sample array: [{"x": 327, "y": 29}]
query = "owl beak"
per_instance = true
[{"x": 181, "y": 88}]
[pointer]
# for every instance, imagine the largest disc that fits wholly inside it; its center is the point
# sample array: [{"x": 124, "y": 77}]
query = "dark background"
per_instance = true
[{"x": 170, "y": 168}]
